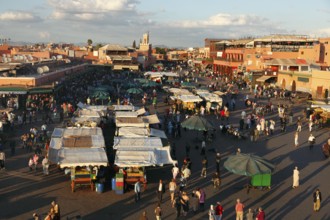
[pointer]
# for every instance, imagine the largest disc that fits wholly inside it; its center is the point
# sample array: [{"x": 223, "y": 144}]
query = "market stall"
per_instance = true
[
  {"x": 188, "y": 101},
  {"x": 81, "y": 150}
]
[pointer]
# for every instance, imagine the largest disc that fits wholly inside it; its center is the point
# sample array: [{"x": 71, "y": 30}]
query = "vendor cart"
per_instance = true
[
  {"x": 262, "y": 181},
  {"x": 134, "y": 174},
  {"x": 82, "y": 176}
]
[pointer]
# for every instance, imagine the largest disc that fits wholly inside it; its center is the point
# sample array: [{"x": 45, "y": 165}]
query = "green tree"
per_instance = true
[
  {"x": 98, "y": 46},
  {"x": 160, "y": 50},
  {"x": 89, "y": 42},
  {"x": 134, "y": 44}
]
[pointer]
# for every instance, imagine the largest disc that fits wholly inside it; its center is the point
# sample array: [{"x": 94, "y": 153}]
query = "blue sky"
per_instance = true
[{"x": 176, "y": 23}]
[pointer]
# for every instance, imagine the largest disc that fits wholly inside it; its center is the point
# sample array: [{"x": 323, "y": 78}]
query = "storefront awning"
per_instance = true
[
  {"x": 40, "y": 90},
  {"x": 264, "y": 78},
  {"x": 13, "y": 90}
]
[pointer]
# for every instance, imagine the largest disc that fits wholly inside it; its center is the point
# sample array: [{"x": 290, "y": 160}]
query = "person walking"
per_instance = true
[
  {"x": 2, "y": 160},
  {"x": 137, "y": 190},
  {"x": 204, "y": 167},
  {"x": 56, "y": 208},
  {"x": 310, "y": 125},
  {"x": 261, "y": 214},
  {"x": 299, "y": 124},
  {"x": 218, "y": 211},
  {"x": 211, "y": 213},
  {"x": 317, "y": 198},
  {"x": 203, "y": 148},
  {"x": 239, "y": 208},
  {"x": 31, "y": 163},
  {"x": 216, "y": 180},
  {"x": 249, "y": 215},
  {"x": 296, "y": 137},
  {"x": 296, "y": 173},
  {"x": 311, "y": 141},
  {"x": 45, "y": 165},
  {"x": 177, "y": 205},
  {"x": 272, "y": 127},
  {"x": 172, "y": 188},
  {"x": 143, "y": 216},
  {"x": 175, "y": 171},
  {"x": 158, "y": 212},
  {"x": 185, "y": 203},
  {"x": 217, "y": 162},
  {"x": 194, "y": 202},
  {"x": 160, "y": 191},
  {"x": 202, "y": 197}
]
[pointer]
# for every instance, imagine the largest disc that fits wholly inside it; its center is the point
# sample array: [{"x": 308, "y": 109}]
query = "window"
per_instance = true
[{"x": 302, "y": 52}]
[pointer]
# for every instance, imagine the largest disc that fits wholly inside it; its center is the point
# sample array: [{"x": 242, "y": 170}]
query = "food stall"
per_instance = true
[
  {"x": 135, "y": 153},
  {"x": 189, "y": 101},
  {"x": 79, "y": 151}
]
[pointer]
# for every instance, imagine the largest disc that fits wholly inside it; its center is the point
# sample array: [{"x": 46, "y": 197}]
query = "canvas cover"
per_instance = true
[
  {"x": 151, "y": 119},
  {"x": 71, "y": 157},
  {"x": 189, "y": 98},
  {"x": 126, "y": 157},
  {"x": 137, "y": 142},
  {"x": 124, "y": 107},
  {"x": 125, "y": 114},
  {"x": 132, "y": 122},
  {"x": 141, "y": 132}
]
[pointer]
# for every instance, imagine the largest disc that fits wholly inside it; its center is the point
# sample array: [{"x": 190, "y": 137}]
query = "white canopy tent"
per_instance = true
[
  {"x": 137, "y": 142},
  {"x": 141, "y": 132},
  {"x": 210, "y": 97},
  {"x": 74, "y": 138},
  {"x": 126, "y": 157},
  {"x": 71, "y": 157},
  {"x": 124, "y": 108},
  {"x": 189, "y": 98}
]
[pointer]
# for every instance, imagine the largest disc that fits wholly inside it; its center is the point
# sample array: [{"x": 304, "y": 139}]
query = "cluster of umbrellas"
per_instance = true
[{"x": 241, "y": 164}]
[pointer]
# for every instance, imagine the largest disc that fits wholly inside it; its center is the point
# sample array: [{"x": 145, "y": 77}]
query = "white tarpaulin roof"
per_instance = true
[
  {"x": 85, "y": 131},
  {"x": 210, "y": 97},
  {"x": 143, "y": 157},
  {"x": 124, "y": 107},
  {"x": 200, "y": 91},
  {"x": 88, "y": 113},
  {"x": 125, "y": 114},
  {"x": 151, "y": 119},
  {"x": 325, "y": 107},
  {"x": 70, "y": 157},
  {"x": 160, "y": 74},
  {"x": 97, "y": 120},
  {"x": 93, "y": 107},
  {"x": 141, "y": 132},
  {"x": 141, "y": 111},
  {"x": 137, "y": 142},
  {"x": 157, "y": 133},
  {"x": 132, "y": 122},
  {"x": 189, "y": 98},
  {"x": 178, "y": 92}
]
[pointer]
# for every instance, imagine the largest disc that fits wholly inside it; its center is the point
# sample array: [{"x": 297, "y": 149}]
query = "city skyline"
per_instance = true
[{"x": 172, "y": 23}]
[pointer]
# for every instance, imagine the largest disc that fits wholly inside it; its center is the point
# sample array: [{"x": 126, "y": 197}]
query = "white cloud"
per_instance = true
[
  {"x": 18, "y": 16},
  {"x": 325, "y": 32},
  {"x": 44, "y": 35},
  {"x": 95, "y": 6},
  {"x": 222, "y": 20}
]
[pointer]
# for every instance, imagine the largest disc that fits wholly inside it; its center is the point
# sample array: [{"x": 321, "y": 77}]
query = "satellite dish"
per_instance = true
[
  {"x": 15, "y": 57},
  {"x": 59, "y": 57},
  {"x": 40, "y": 70},
  {"x": 9, "y": 59},
  {"x": 53, "y": 57}
]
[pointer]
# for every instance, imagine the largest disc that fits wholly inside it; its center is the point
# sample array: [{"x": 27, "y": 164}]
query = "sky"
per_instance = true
[{"x": 174, "y": 23}]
